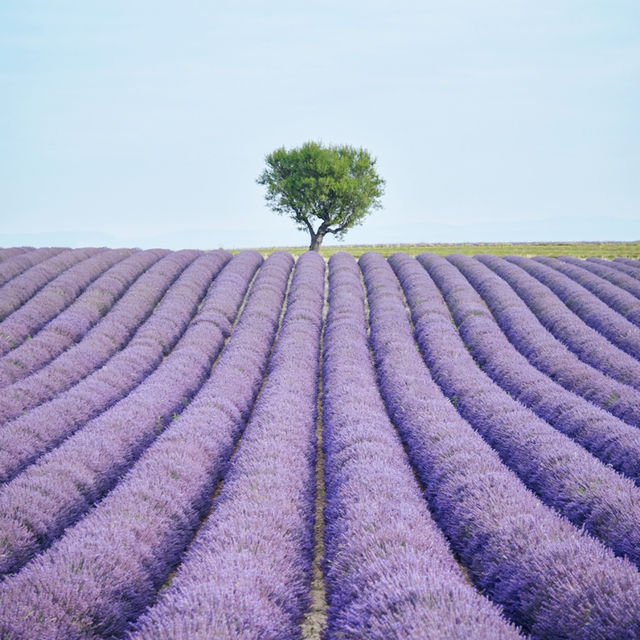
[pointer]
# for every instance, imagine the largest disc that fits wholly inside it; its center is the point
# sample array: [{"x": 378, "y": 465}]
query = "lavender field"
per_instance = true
[{"x": 198, "y": 445}]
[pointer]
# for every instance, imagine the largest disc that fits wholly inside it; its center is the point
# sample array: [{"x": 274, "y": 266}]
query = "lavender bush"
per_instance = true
[
  {"x": 158, "y": 475},
  {"x": 612, "y": 386},
  {"x": 17, "y": 260},
  {"x": 611, "y": 440},
  {"x": 18, "y": 290},
  {"x": 54, "y": 297},
  {"x": 53, "y": 493},
  {"x": 247, "y": 573},
  {"x": 607, "y": 270},
  {"x": 556, "y": 468},
  {"x": 390, "y": 572},
  {"x": 552, "y": 579},
  {"x": 107, "y": 338},
  {"x": 626, "y": 265},
  {"x": 10, "y": 252},
  {"x": 614, "y": 296},
  {"x": 585, "y": 305},
  {"x": 591, "y": 346},
  {"x": 112, "y": 563},
  {"x": 70, "y": 326},
  {"x": 27, "y": 437}
]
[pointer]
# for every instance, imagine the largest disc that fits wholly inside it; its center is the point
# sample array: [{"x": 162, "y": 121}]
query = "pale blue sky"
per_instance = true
[{"x": 146, "y": 123}]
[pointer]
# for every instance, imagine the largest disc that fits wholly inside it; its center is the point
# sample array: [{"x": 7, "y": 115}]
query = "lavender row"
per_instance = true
[
  {"x": 585, "y": 305},
  {"x": 112, "y": 563},
  {"x": 589, "y": 345},
  {"x": 560, "y": 471},
  {"x": 17, "y": 262},
  {"x": 106, "y": 338},
  {"x": 248, "y": 572},
  {"x": 54, "y": 297},
  {"x": 609, "y": 293},
  {"x": 551, "y": 578},
  {"x": 53, "y": 493},
  {"x": 9, "y": 252},
  {"x": 71, "y": 325},
  {"x": 21, "y": 288},
  {"x": 607, "y": 270},
  {"x": 536, "y": 342},
  {"x": 27, "y": 437},
  {"x": 626, "y": 265},
  {"x": 614, "y": 442},
  {"x": 552, "y": 465},
  {"x": 389, "y": 570}
]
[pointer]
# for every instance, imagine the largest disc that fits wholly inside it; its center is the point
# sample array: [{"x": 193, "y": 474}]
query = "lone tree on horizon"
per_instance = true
[{"x": 336, "y": 186}]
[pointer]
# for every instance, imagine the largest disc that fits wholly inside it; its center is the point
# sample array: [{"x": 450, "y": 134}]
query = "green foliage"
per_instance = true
[
  {"x": 335, "y": 186},
  {"x": 576, "y": 249}
]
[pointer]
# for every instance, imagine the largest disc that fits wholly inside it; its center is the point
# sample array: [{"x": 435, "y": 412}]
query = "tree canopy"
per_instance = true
[{"x": 325, "y": 190}]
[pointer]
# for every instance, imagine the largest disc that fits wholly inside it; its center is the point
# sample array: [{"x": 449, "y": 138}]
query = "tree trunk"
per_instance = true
[{"x": 316, "y": 241}]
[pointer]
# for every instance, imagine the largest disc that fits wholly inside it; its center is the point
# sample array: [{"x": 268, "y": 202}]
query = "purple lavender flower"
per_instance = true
[
  {"x": 180, "y": 500},
  {"x": 626, "y": 265},
  {"x": 247, "y": 573},
  {"x": 602, "y": 385},
  {"x": 70, "y": 326},
  {"x": 27, "y": 437},
  {"x": 56, "y": 296},
  {"x": 21, "y": 288},
  {"x": 614, "y": 442},
  {"x": 614, "y": 296},
  {"x": 53, "y": 493},
  {"x": 113, "y": 561},
  {"x": 608, "y": 270},
  {"x": 10, "y": 252},
  {"x": 390, "y": 572},
  {"x": 108, "y": 337},
  {"x": 551, "y": 578},
  {"x": 556, "y": 468},
  {"x": 585, "y": 305},
  {"x": 18, "y": 259}
]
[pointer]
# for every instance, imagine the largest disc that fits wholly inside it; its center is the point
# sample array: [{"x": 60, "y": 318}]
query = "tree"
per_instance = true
[{"x": 335, "y": 186}]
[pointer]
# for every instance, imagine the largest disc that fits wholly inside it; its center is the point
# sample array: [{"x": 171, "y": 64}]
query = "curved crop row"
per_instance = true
[
  {"x": 626, "y": 265},
  {"x": 614, "y": 442},
  {"x": 561, "y": 472},
  {"x": 609, "y": 273},
  {"x": 54, "y": 297},
  {"x": 552, "y": 579},
  {"x": 21, "y": 288},
  {"x": 16, "y": 262},
  {"x": 70, "y": 326},
  {"x": 50, "y": 495},
  {"x": 585, "y": 305},
  {"x": 612, "y": 295},
  {"x": 27, "y": 437},
  {"x": 390, "y": 572},
  {"x": 559, "y": 320},
  {"x": 10, "y": 252},
  {"x": 248, "y": 571},
  {"x": 112, "y": 563},
  {"x": 161, "y": 482},
  {"x": 518, "y": 301},
  {"x": 107, "y": 338}
]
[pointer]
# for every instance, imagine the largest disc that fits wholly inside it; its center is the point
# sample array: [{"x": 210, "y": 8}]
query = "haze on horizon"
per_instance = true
[{"x": 146, "y": 124}]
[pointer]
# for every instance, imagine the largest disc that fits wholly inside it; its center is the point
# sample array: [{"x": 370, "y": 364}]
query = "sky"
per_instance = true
[{"x": 147, "y": 123}]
